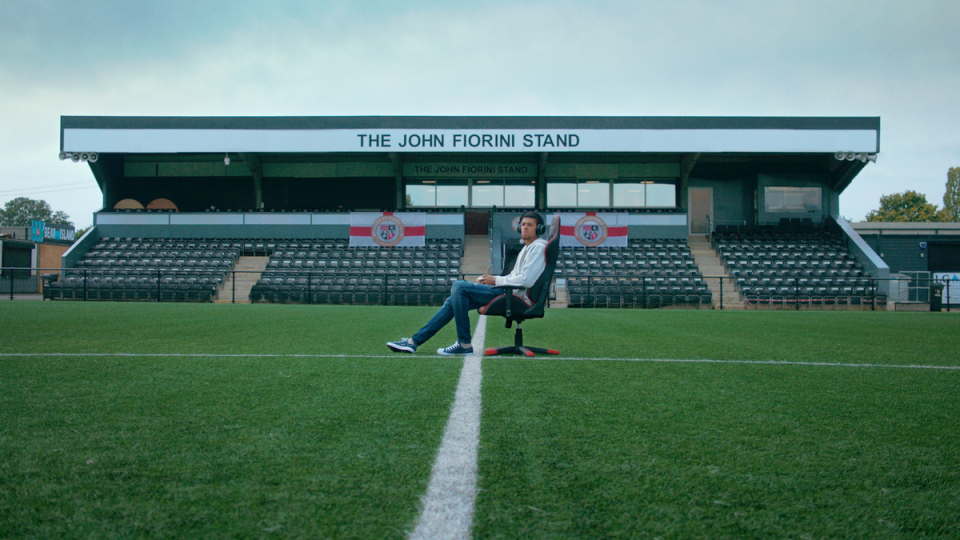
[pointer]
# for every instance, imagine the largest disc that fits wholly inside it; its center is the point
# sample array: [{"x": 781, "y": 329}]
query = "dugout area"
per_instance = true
[{"x": 294, "y": 181}]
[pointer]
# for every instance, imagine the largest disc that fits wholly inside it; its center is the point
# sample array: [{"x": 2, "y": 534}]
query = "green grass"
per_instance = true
[
  {"x": 312, "y": 446},
  {"x": 588, "y": 449}
]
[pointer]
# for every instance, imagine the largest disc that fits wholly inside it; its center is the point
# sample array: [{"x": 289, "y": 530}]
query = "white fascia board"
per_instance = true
[{"x": 164, "y": 141}]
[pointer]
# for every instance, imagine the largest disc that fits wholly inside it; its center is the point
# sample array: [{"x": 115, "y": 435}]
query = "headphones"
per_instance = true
[{"x": 541, "y": 225}]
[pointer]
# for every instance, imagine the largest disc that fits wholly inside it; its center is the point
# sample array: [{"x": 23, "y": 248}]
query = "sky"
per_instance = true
[{"x": 893, "y": 59}]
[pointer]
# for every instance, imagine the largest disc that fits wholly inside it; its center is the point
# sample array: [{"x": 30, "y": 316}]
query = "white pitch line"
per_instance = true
[
  {"x": 447, "y": 506},
  {"x": 754, "y": 362},
  {"x": 569, "y": 358}
]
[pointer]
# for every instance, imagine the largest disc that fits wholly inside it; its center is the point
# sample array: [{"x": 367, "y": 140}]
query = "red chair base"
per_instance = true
[
  {"x": 526, "y": 351},
  {"x": 518, "y": 347}
]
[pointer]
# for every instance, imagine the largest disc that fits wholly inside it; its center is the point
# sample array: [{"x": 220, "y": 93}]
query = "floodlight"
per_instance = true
[
  {"x": 64, "y": 155},
  {"x": 92, "y": 157},
  {"x": 75, "y": 157}
]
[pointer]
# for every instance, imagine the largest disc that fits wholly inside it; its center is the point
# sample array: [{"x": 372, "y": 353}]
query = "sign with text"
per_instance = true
[
  {"x": 39, "y": 231},
  {"x": 469, "y": 140},
  {"x": 470, "y": 170}
]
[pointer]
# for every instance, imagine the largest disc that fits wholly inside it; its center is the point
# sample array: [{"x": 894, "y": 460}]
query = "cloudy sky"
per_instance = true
[{"x": 893, "y": 59}]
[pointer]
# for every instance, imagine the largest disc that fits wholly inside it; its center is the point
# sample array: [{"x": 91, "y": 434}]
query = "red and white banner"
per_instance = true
[
  {"x": 388, "y": 229},
  {"x": 593, "y": 229}
]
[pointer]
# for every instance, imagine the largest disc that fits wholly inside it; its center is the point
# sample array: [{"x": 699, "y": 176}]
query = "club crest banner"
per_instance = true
[
  {"x": 593, "y": 229},
  {"x": 388, "y": 229}
]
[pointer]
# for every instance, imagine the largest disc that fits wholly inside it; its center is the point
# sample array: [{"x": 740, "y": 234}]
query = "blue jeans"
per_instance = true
[{"x": 464, "y": 296}]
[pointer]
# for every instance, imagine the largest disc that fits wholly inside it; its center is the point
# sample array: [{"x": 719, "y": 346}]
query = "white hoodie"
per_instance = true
[{"x": 530, "y": 264}]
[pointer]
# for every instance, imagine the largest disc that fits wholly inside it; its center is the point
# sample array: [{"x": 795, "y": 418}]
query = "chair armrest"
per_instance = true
[{"x": 508, "y": 297}]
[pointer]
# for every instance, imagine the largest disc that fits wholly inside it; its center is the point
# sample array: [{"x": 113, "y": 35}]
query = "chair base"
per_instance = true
[
  {"x": 526, "y": 351},
  {"x": 518, "y": 347}
]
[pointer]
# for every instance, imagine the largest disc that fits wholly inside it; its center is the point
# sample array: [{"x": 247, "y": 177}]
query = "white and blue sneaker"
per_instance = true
[
  {"x": 404, "y": 345},
  {"x": 455, "y": 349}
]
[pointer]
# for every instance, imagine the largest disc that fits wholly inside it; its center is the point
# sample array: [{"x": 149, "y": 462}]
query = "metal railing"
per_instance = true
[
  {"x": 87, "y": 284},
  {"x": 400, "y": 288},
  {"x": 790, "y": 293}
]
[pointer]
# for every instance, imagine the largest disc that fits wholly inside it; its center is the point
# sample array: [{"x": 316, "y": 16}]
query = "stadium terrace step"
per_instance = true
[
  {"x": 476, "y": 256},
  {"x": 712, "y": 267},
  {"x": 249, "y": 270},
  {"x": 562, "y": 299}
]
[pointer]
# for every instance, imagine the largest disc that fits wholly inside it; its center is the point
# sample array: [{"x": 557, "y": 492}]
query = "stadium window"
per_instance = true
[
  {"x": 629, "y": 195},
  {"x": 661, "y": 196},
  {"x": 597, "y": 194},
  {"x": 421, "y": 194},
  {"x": 452, "y": 193},
  {"x": 485, "y": 193},
  {"x": 562, "y": 193},
  {"x": 792, "y": 199},
  {"x": 593, "y": 193},
  {"x": 520, "y": 194}
]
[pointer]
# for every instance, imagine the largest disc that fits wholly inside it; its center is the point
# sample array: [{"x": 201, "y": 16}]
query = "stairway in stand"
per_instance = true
[
  {"x": 476, "y": 256},
  {"x": 712, "y": 268},
  {"x": 249, "y": 270}
]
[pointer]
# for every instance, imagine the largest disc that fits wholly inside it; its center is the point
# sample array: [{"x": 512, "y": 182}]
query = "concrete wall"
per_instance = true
[
  {"x": 732, "y": 199},
  {"x": 251, "y": 225}
]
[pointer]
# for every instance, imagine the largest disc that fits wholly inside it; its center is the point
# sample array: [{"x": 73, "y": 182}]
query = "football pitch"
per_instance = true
[{"x": 137, "y": 420}]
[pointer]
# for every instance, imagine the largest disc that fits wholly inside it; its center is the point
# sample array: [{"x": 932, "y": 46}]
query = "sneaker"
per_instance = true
[
  {"x": 455, "y": 349},
  {"x": 404, "y": 345}
]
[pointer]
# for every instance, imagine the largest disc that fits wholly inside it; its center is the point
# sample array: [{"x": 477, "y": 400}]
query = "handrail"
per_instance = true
[{"x": 164, "y": 289}]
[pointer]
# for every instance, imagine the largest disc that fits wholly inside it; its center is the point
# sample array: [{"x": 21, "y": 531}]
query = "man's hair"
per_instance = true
[{"x": 534, "y": 215}]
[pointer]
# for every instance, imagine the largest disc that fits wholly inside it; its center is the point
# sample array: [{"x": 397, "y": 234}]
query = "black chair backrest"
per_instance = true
[{"x": 541, "y": 289}]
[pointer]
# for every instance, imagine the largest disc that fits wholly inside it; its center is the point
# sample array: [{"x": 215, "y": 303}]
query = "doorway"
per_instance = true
[
  {"x": 476, "y": 222},
  {"x": 701, "y": 210}
]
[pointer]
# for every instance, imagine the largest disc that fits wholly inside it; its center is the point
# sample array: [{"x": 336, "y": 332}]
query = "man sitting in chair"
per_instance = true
[{"x": 466, "y": 296}]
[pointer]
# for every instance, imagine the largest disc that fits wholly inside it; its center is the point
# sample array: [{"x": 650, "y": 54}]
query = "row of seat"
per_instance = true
[
  {"x": 192, "y": 269},
  {"x": 638, "y": 297},
  {"x": 167, "y": 288},
  {"x": 412, "y": 290},
  {"x": 648, "y": 291},
  {"x": 170, "y": 269},
  {"x": 374, "y": 275},
  {"x": 813, "y": 297},
  {"x": 646, "y": 273},
  {"x": 813, "y": 268}
]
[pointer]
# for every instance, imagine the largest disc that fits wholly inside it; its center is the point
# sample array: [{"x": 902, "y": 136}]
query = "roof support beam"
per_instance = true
[
  {"x": 398, "y": 174},
  {"x": 541, "y": 181},
  {"x": 687, "y": 164},
  {"x": 255, "y": 166}
]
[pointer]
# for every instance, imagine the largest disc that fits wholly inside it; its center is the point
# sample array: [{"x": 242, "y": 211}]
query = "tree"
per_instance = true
[
  {"x": 951, "y": 199},
  {"x": 21, "y": 211},
  {"x": 906, "y": 206}
]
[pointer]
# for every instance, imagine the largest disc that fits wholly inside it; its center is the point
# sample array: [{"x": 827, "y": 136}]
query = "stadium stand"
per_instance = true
[
  {"x": 647, "y": 273},
  {"x": 167, "y": 269},
  {"x": 330, "y": 272},
  {"x": 325, "y": 271},
  {"x": 794, "y": 266}
]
